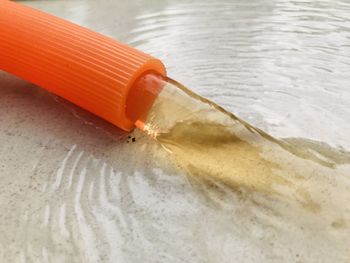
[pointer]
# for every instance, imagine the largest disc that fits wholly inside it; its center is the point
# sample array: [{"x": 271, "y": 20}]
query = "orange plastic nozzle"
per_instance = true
[{"x": 82, "y": 66}]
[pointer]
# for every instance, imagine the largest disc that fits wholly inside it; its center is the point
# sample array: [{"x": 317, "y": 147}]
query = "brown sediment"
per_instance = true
[
  {"x": 339, "y": 223},
  {"x": 210, "y": 150}
]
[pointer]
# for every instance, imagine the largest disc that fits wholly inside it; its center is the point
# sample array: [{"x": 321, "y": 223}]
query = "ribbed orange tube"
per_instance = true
[{"x": 82, "y": 66}]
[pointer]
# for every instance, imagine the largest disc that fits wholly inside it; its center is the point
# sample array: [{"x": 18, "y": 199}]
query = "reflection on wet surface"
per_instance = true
[{"x": 73, "y": 190}]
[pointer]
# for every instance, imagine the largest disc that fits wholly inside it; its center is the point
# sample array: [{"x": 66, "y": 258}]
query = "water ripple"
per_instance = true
[{"x": 294, "y": 48}]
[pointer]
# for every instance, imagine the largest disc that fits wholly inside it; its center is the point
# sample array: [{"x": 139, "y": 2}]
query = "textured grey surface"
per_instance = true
[{"x": 73, "y": 190}]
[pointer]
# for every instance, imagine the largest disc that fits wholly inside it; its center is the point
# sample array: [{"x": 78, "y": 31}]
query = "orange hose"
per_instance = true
[{"x": 82, "y": 66}]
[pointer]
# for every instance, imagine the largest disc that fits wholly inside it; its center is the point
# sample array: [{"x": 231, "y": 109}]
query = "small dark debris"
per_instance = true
[{"x": 133, "y": 139}]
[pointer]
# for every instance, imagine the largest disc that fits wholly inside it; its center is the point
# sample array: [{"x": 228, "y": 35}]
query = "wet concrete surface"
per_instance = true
[{"x": 72, "y": 189}]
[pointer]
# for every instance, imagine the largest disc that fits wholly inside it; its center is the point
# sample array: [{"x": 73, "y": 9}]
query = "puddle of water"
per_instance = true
[{"x": 73, "y": 190}]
